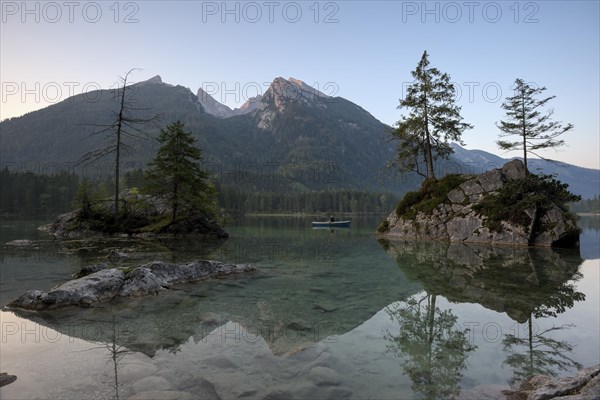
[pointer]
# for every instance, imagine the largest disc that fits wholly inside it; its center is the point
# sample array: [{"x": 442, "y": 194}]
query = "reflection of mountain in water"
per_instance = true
[
  {"x": 511, "y": 280},
  {"x": 307, "y": 298}
]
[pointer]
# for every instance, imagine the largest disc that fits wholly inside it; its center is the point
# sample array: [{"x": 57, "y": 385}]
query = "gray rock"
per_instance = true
[
  {"x": 90, "y": 269},
  {"x": 220, "y": 362},
  {"x": 491, "y": 180},
  {"x": 513, "y": 170},
  {"x": 471, "y": 188},
  {"x": 106, "y": 284},
  {"x": 151, "y": 383},
  {"x": 583, "y": 386},
  {"x": 83, "y": 292},
  {"x": 323, "y": 376},
  {"x": 140, "y": 282},
  {"x": 203, "y": 390},
  {"x": 462, "y": 228},
  {"x": 456, "y": 196}
]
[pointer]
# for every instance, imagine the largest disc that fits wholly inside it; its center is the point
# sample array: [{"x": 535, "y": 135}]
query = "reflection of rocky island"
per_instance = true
[
  {"x": 511, "y": 280},
  {"x": 525, "y": 283}
]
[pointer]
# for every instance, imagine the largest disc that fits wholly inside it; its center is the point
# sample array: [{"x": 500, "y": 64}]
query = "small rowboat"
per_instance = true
[{"x": 328, "y": 224}]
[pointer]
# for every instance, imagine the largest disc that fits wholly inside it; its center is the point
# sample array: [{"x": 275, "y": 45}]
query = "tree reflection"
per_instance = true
[
  {"x": 526, "y": 284},
  {"x": 538, "y": 353},
  {"x": 116, "y": 353},
  {"x": 434, "y": 352}
]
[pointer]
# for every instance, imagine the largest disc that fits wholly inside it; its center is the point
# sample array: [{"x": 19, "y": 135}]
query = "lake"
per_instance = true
[{"x": 330, "y": 314}]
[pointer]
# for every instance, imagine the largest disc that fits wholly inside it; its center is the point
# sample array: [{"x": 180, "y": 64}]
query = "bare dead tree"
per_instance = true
[{"x": 124, "y": 125}]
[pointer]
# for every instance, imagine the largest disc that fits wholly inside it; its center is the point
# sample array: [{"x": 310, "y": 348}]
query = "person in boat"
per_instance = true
[{"x": 331, "y": 219}]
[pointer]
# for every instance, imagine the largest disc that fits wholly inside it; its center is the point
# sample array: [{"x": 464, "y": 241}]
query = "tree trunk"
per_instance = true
[
  {"x": 524, "y": 122},
  {"x": 428, "y": 154},
  {"x": 118, "y": 157},
  {"x": 175, "y": 200}
]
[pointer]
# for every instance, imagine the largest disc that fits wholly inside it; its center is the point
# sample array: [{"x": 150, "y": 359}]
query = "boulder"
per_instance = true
[
  {"x": 584, "y": 385},
  {"x": 109, "y": 283}
]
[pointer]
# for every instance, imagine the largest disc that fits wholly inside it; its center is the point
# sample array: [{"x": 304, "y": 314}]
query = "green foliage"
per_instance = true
[
  {"x": 30, "y": 194},
  {"x": 516, "y": 198},
  {"x": 536, "y": 131},
  {"x": 433, "y": 120},
  {"x": 100, "y": 217},
  {"x": 239, "y": 201},
  {"x": 431, "y": 193},
  {"x": 384, "y": 226},
  {"x": 176, "y": 175}
]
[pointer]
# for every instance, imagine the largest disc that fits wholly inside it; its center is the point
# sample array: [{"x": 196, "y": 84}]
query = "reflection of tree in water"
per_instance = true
[
  {"x": 117, "y": 353},
  {"x": 524, "y": 283},
  {"x": 538, "y": 353},
  {"x": 433, "y": 350}
]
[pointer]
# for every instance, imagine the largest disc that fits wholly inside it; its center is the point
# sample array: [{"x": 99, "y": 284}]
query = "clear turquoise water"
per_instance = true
[{"x": 330, "y": 314}]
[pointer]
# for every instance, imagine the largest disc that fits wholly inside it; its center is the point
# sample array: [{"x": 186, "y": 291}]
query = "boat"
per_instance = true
[{"x": 329, "y": 224}]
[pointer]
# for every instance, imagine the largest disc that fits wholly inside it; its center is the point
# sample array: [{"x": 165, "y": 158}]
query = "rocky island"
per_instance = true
[
  {"x": 143, "y": 215},
  {"x": 101, "y": 284},
  {"x": 502, "y": 206}
]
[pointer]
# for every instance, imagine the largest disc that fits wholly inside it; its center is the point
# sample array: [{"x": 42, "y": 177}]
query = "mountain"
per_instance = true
[
  {"x": 292, "y": 138},
  {"x": 220, "y": 110},
  {"x": 582, "y": 181}
]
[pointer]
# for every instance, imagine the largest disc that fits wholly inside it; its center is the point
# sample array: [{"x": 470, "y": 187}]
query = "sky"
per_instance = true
[{"x": 363, "y": 51}]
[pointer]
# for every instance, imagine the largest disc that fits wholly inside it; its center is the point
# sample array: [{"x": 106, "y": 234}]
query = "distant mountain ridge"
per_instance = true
[
  {"x": 292, "y": 138},
  {"x": 582, "y": 181}
]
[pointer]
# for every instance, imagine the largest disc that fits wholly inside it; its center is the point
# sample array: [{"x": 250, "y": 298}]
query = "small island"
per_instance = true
[
  {"x": 504, "y": 206},
  {"x": 99, "y": 283}
]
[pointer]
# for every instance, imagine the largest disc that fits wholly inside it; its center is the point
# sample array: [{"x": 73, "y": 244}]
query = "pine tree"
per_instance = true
[
  {"x": 433, "y": 120},
  {"x": 176, "y": 175},
  {"x": 536, "y": 130}
]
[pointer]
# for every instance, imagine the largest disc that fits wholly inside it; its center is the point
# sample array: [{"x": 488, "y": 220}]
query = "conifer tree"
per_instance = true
[
  {"x": 536, "y": 129},
  {"x": 432, "y": 121},
  {"x": 176, "y": 174}
]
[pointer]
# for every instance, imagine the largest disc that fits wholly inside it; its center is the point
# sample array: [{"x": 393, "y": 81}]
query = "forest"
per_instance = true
[{"x": 30, "y": 194}]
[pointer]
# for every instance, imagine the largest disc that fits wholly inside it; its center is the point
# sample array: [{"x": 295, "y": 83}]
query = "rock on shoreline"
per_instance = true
[
  {"x": 585, "y": 385},
  {"x": 110, "y": 283}
]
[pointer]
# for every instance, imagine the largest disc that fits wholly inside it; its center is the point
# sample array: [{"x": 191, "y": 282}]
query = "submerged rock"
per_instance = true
[
  {"x": 108, "y": 283},
  {"x": 457, "y": 217}
]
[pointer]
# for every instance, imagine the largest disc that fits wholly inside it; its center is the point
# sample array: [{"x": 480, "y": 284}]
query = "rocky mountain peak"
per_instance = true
[
  {"x": 212, "y": 106},
  {"x": 154, "y": 79},
  {"x": 288, "y": 91}
]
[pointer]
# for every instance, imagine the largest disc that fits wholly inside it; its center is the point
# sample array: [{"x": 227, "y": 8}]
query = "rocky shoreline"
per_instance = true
[
  {"x": 100, "y": 284},
  {"x": 585, "y": 385}
]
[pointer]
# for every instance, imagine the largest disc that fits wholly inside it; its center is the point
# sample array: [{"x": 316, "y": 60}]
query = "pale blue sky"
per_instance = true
[{"x": 365, "y": 53}]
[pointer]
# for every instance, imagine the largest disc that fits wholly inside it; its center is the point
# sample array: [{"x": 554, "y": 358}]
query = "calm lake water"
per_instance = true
[{"x": 330, "y": 314}]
